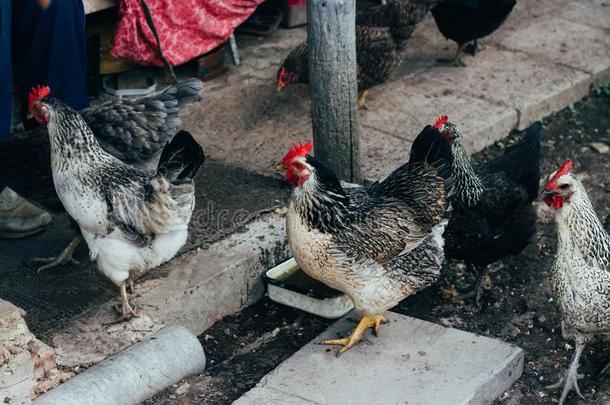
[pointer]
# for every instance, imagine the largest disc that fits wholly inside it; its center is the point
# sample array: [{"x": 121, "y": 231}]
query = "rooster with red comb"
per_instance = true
[
  {"x": 134, "y": 130},
  {"x": 131, "y": 220},
  {"x": 379, "y": 243},
  {"x": 580, "y": 276}
]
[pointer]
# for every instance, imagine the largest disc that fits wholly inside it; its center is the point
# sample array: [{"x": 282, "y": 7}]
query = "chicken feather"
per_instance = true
[{"x": 131, "y": 221}]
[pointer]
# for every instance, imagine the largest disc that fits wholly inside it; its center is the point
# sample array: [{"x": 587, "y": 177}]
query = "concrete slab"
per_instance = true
[
  {"x": 244, "y": 121},
  {"x": 531, "y": 86},
  {"x": 595, "y": 12},
  {"x": 526, "y": 13},
  {"x": 417, "y": 101},
  {"x": 411, "y": 362},
  {"x": 194, "y": 290},
  {"x": 227, "y": 199},
  {"x": 564, "y": 42},
  {"x": 381, "y": 153}
]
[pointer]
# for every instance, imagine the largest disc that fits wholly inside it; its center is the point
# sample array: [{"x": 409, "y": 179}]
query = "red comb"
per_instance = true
[
  {"x": 563, "y": 170},
  {"x": 37, "y": 93},
  {"x": 299, "y": 149},
  {"x": 442, "y": 120}
]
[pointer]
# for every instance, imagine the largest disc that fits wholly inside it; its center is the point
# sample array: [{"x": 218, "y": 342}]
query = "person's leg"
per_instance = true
[
  {"x": 5, "y": 69},
  {"x": 49, "y": 48}
]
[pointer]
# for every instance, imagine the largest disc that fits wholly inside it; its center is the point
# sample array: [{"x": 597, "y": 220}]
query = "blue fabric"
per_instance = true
[
  {"x": 49, "y": 48},
  {"x": 5, "y": 68}
]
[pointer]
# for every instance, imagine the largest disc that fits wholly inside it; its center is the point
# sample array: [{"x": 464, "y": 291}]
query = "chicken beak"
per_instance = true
[
  {"x": 546, "y": 194},
  {"x": 280, "y": 167},
  {"x": 29, "y": 116}
]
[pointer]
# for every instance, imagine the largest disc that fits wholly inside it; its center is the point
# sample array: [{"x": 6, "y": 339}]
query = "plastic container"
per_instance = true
[{"x": 287, "y": 284}]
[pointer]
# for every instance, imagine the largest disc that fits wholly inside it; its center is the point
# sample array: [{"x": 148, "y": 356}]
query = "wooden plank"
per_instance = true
[{"x": 332, "y": 65}]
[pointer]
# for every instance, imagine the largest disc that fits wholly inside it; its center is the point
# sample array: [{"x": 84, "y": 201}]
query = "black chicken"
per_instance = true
[
  {"x": 382, "y": 33},
  {"x": 493, "y": 214},
  {"x": 465, "y": 21},
  {"x": 134, "y": 130}
]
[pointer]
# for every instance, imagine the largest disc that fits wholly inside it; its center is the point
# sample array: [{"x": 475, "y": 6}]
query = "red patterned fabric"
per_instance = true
[{"x": 187, "y": 28}]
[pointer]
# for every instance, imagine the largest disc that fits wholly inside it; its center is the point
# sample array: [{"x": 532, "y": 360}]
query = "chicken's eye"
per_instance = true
[
  {"x": 564, "y": 186},
  {"x": 297, "y": 165}
]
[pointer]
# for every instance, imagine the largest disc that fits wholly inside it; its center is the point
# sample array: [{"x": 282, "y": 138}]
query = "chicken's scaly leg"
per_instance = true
[
  {"x": 570, "y": 380},
  {"x": 473, "y": 48},
  {"x": 477, "y": 289},
  {"x": 64, "y": 257},
  {"x": 456, "y": 60},
  {"x": 362, "y": 99},
  {"x": 367, "y": 321},
  {"x": 130, "y": 280},
  {"x": 128, "y": 311}
]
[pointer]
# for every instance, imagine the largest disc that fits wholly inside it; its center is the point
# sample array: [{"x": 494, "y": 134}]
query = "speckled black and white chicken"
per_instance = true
[
  {"x": 382, "y": 33},
  {"x": 134, "y": 130},
  {"x": 580, "y": 276},
  {"x": 132, "y": 221},
  {"x": 379, "y": 243},
  {"x": 493, "y": 213}
]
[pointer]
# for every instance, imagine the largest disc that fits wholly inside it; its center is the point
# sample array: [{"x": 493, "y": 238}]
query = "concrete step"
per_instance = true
[
  {"x": 411, "y": 362},
  {"x": 545, "y": 57}
]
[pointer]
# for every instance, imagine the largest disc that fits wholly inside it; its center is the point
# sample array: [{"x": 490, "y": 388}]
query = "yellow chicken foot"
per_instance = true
[
  {"x": 367, "y": 321},
  {"x": 127, "y": 310},
  {"x": 362, "y": 99},
  {"x": 65, "y": 257}
]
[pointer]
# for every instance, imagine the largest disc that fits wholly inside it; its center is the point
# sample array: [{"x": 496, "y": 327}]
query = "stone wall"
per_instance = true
[{"x": 27, "y": 365}]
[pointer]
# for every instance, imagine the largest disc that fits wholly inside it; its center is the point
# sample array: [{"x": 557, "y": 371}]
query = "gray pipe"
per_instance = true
[{"x": 135, "y": 373}]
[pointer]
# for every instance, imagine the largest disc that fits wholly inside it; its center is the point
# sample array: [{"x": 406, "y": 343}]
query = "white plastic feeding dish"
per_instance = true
[{"x": 287, "y": 284}]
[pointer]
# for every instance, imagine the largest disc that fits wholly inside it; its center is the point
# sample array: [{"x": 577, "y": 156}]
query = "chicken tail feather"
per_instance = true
[
  {"x": 430, "y": 147},
  {"x": 181, "y": 158}
]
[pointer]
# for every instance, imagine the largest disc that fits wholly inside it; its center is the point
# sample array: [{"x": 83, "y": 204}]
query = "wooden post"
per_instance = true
[{"x": 331, "y": 39}]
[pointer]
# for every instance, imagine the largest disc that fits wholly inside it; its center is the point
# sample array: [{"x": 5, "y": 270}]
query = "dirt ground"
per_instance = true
[{"x": 517, "y": 302}]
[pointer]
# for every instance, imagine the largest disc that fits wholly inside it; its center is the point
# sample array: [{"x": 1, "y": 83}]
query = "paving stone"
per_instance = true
[
  {"x": 418, "y": 101},
  {"x": 381, "y": 153},
  {"x": 565, "y": 42},
  {"x": 533, "y": 87},
  {"x": 411, "y": 362},
  {"x": 526, "y": 13},
  {"x": 595, "y": 12}
]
